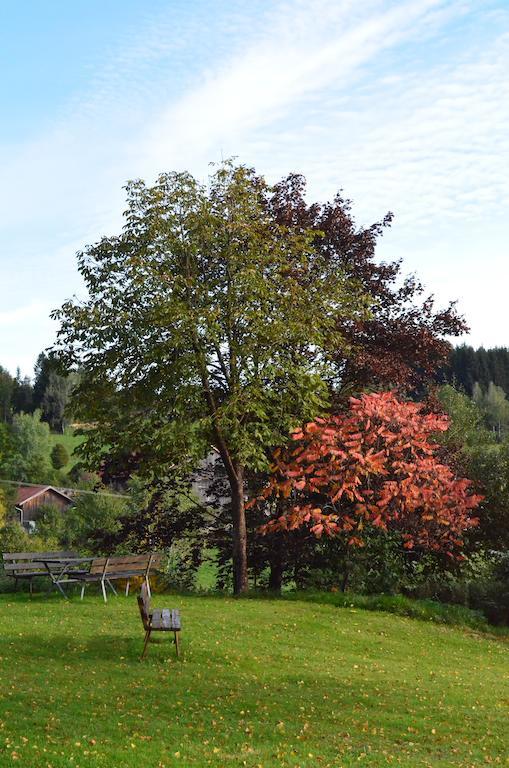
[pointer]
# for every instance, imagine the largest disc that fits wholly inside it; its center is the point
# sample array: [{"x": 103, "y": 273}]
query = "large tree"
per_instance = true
[
  {"x": 209, "y": 321},
  {"x": 56, "y": 399}
]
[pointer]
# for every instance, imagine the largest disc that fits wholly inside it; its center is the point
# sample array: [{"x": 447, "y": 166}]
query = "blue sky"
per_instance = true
[{"x": 404, "y": 105}]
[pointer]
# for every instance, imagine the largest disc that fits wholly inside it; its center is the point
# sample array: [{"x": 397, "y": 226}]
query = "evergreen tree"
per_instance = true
[
  {"x": 6, "y": 389},
  {"x": 22, "y": 394},
  {"x": 468, "y": 365},
  {"x": 56, "y": 400}
]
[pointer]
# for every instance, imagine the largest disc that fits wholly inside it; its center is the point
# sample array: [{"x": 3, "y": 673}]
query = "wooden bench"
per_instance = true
[
  {"x": 159, "y": 620},
  {"x": 104, "y": 570},
  {"x": 28, "y": 565}
]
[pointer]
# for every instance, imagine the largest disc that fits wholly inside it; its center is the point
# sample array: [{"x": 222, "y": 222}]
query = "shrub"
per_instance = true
[{"x": 59, "y": 456}]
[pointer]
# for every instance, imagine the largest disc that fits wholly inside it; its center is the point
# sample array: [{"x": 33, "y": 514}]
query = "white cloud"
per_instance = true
[
  {"x": 29, "y": 312},
  {"x": 308, "y": 48},
  {"x": 317, "y": 86},
  {"x": 24, "y": 332}
]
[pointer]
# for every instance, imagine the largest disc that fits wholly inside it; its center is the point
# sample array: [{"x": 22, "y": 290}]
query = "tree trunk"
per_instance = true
[
  {"x": 276, "y": 577},
  {"x": 240, "y": 581}
]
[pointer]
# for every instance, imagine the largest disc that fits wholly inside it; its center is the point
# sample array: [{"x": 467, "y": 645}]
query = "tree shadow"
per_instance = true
[{"x": 104, "y": 647}]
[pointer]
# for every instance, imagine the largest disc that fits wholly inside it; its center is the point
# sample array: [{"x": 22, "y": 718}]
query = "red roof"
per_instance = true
[{"x": 26, "y": 492}]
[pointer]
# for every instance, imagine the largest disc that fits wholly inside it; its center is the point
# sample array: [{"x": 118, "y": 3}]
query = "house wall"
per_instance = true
[{"x": 31, "y": 507}]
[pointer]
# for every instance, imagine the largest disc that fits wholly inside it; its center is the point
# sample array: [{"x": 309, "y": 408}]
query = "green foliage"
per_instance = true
[
  {"x": 3, "y": 509},
  {"x": 6, "y": 389},
  {"x": 51, "y": 525},
  {"x": 85, "y": 526},
  {"x": 70, "y": 440},
  {"x": 400, "y": 605},
  {"x": 16, "y": 395},
  {"x": 480, "y": 585},
  {"x": 14, "y": 538},
  {"x": 28, "y": 456},
  {"x": 237, "y": 315},
  {"x": 208, "y": 323},
  {"x": 484, "y": 459},
  {"x": 468, "y": 366},
  {"x": 181, "y": 567},
  {"x": 466, "y": 423},
  {"x": 489, "y": 467},
  {"x": 55, "y": 402},
  {"x": 277, "y": 683},
  {"x": 22, "y": 394},
  {"x": 42, "y": 369},
  {"x": 5, "y": 442},
  {"x": 494, "y": 405},
  {"x": 59, "y": 456}
]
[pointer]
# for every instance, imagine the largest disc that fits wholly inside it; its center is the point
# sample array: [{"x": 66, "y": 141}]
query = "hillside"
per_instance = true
[
  {"x": 261, "y": 683},
  {"x": 70, "y": 441}
]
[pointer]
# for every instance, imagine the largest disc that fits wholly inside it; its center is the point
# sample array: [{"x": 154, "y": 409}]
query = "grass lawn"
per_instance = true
[
  {"x": 70, "y": 441},
  {"x": 260, "y": 683}
]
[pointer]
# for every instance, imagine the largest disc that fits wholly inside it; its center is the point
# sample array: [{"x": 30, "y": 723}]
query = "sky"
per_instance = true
[{"x": 403, "y": 105}]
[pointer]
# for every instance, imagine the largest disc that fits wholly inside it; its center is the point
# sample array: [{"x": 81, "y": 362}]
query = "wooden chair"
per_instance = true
[{"x": 160, "y": 620}]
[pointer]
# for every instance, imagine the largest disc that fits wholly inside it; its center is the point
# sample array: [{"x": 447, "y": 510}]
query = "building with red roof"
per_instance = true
[{"x": 31, "y": 498}]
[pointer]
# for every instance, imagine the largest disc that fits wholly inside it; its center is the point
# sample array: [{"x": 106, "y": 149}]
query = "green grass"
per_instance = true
[
  {"x": 70, "y": 441},
  {"x": 425, "y": 610},
  {"x": 206, "y": 576},
  {"x": 260, "y": 683}
]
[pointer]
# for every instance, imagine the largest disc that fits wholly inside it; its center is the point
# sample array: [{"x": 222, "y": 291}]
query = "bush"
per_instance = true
[
  {"x": 492, "y": 598},
  {"x": 28, "y": 456},
  {"x": 482, "y": 585},
  {"x": 181, "y": 567},
  {"x": 59, "y": 456},
  {"x": 14, "y": 538}
]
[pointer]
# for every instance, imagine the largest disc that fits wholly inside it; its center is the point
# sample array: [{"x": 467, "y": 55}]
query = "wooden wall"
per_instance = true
[{"x": 48, "y": 498}]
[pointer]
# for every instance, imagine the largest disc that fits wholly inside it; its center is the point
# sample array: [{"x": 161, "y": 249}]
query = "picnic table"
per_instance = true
[
  {"x": 63, "y": 570},
  {"x": 65, "y": 567}
]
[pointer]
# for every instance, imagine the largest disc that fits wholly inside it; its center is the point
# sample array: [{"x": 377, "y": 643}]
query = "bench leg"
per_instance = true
[
  {"x": 127, "y": 588},
  {"x": 147, "y": 582},
  {"x": 103, "y": 586},
  {"x": 177, "y": 643},
  {"x": 145, "y": 646},
  {"x": 31, "y": 587},
  {"x": 110, "y": 585},
  {"x": 83, "y": 590}
]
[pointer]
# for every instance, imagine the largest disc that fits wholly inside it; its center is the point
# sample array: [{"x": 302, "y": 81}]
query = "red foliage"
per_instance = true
[{"x": 374, "y": 465}]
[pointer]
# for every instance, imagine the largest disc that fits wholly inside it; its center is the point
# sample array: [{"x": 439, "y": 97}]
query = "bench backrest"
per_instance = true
[
  {"x": 133, "y": 565},
  {"x": 19, "y": 563},
  {"x": 144, "y": 605}
]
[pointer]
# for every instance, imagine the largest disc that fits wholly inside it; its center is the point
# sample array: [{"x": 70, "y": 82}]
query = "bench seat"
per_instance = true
[
  {"x": 104, "y": 570},
  {"x": 165, "y": 619},
  {"x": 158, "y": 620}
]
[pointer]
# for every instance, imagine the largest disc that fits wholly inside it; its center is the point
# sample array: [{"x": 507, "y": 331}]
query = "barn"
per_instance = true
[{"x": 30, "y": 499}]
